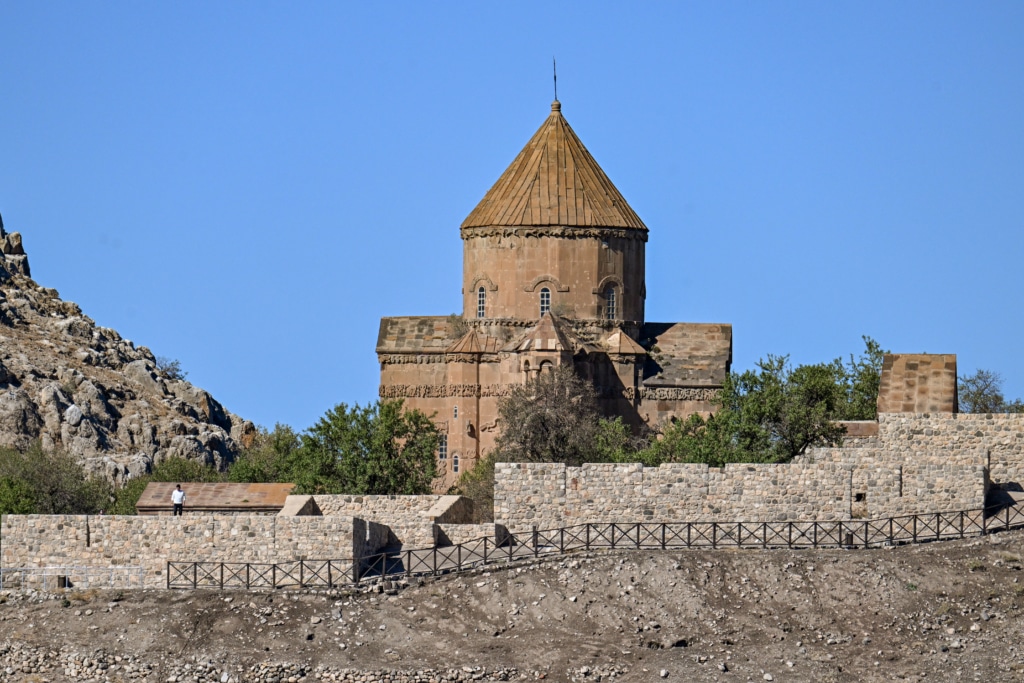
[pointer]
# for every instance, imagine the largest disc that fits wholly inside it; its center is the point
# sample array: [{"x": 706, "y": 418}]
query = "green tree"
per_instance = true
[
  {"x": 766, "y": 415},
  {"x": 982, "y": 392},
  {"x": 170, "y": 368},
  {"x": 16, "y": 497},
  {"x": 53, "y": 483},
  {"x": 266, "y": 460},
  {"x": 380, "y": 449},
  {"x": 553, "y": 418},
  {"x": 860, "y": 379}
]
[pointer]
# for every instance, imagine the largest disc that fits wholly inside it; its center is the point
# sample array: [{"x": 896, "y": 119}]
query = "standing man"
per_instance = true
[{"x": 178, "y": 498}]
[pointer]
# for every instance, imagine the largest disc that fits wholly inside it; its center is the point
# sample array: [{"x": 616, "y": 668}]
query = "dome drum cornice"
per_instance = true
[{"x": 562, "y": 231}]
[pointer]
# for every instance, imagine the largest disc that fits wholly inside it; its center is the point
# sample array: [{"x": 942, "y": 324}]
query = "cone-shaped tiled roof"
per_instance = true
[{"x": 554, "y": 181}]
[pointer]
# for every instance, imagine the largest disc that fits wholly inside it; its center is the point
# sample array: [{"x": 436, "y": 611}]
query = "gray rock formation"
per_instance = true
[{"x": 74, "y": 386}]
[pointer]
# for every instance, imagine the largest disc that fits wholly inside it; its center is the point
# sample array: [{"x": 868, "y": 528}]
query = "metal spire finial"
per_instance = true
[{"x": 554, "y": 72}]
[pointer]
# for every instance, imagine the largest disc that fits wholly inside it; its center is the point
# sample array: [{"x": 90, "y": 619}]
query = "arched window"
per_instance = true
[
  {"x": 545, "y": 300},
  {"x": 547, "y": 366},
  {"x": 481, "y": 303},
  {"x": 455, "y": 463},
  {"x": 609, "y": 299},
  {"x": 442, "y": 447},
  {"x": 455, "y": 413}
]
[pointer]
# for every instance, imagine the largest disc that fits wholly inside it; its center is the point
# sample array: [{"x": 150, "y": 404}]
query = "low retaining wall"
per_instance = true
[{"x": 150, "y": 542}]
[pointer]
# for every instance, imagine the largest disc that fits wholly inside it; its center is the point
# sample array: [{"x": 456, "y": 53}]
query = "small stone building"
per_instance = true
[
  {"x": 215, "y": 497},
  {"x": 553, "y": 274}
]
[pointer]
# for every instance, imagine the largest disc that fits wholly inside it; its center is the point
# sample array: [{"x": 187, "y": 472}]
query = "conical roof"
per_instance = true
[{"x": 554, "y": 181}]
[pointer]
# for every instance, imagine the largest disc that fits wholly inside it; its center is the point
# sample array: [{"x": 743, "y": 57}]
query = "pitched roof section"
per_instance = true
[
  {"x": 547, "y": 335},
  {"x": 214, "y": 497},
  {"x": 474, "y": 342},
  {"x": 554, "y": 181},
  {"x": 622, "y": 344}
]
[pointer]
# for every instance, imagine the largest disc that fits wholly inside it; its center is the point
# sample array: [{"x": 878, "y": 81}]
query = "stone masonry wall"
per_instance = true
[
  {"x": 822, "y": 488},
  {"x": 150, "y": 542},
  {"x": 412, "y": 519}
]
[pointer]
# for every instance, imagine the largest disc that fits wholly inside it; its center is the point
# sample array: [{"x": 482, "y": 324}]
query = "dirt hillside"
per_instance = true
[{"x": 935, "y": 612}]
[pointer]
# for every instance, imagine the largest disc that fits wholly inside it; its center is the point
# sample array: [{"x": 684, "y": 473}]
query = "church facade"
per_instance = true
[{"x": 553, "y": 274}]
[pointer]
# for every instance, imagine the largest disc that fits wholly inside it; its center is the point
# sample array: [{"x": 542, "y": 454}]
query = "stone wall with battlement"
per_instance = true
[{"x": 150, "y": 542}]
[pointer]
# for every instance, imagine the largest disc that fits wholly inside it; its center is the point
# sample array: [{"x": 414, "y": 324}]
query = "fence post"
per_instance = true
[
  {"x": 485, "y": 550},
  {"x": 892, "y": 535},
  {"x": 789, "y": 535},
  {"x": 1007, "y": 508},
  {"x": 535, "y": 541},
  {"x": 561, "y": 540},
  {"x": 914, "y": 527},
  {"x": 961, "y": 524},
  {"x": 222, "y": 576},
  {"x": 764, "y": 534},
  {"x": 408, "y": 563},
  {"x": 814, "y": 540},
  {"x": 714, "y": 534},
  {"x": 168, "y": 577},
  {"x": 662, "y": 535},
  {"x": 689, "y": 529},
  {"x": 273, "y": 576},
  {"x": 938, "y": 526},
  {"x": 588, "y": 535},
  {"x": 458, "y": 556},
  {"x": 330, "y": 576},
  {"x": 638, "y": 535},
  {"x": 865, "y": 533}
]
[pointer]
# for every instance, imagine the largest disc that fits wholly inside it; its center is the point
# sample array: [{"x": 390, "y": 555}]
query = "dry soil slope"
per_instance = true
[{"x": 941, "y": 611}]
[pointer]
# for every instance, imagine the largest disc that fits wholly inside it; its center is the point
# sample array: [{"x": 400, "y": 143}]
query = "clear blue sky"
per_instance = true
[{"x": 249, "y": 187}]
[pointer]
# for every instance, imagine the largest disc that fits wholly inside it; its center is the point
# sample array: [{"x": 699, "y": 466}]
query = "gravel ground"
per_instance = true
[{"x": 934, "y": 612}]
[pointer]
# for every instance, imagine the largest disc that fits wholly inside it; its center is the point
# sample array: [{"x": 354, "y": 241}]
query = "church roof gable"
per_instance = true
[
  {"x": 474, "y": 342},
  {"x": 546, "y": 335},
  {"x": 554, "y": 181}
]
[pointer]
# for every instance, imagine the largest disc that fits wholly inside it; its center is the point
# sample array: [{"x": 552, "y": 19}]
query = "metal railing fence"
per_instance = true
[{"x": 867, "y": 533}]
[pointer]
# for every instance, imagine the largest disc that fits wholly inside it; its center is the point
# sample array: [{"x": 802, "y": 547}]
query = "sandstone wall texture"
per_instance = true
[
  {"x": 412, "y": 520},
  {"x": 150, "y": 542},
  {"x": 835, "y": 485}
]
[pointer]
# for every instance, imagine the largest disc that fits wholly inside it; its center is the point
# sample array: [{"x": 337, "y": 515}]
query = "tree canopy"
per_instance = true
[
  {"x": 982, "y": 392},
  {"x": 35, "y": 481},
  {"x": 378, "y": 449}
]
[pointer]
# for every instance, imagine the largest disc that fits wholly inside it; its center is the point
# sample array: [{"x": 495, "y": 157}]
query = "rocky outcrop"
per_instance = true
[{"x": 73, "y": 385}]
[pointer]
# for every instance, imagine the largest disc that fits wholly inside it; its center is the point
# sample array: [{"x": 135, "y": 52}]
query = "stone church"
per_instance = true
[{"x": 553, "y": 274}]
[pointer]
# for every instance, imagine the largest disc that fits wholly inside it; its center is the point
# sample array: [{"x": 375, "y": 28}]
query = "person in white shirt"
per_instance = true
[{"x": 178, "y": 499}]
